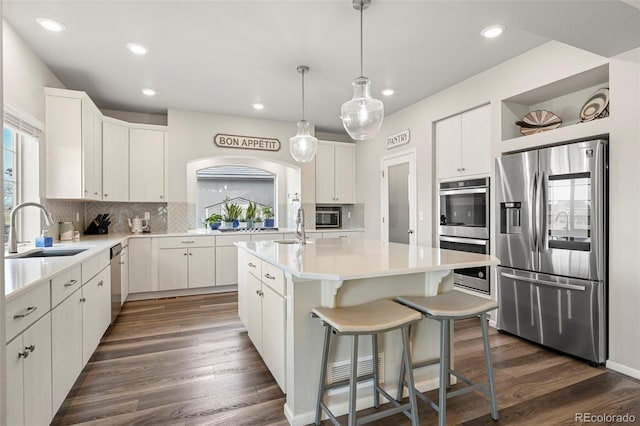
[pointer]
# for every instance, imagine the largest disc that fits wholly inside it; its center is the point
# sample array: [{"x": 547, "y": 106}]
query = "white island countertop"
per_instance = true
[{"x": 348, "y": 259}]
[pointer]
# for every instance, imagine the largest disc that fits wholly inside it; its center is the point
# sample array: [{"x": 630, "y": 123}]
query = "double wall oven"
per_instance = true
[{"x": 464, "y": 226}]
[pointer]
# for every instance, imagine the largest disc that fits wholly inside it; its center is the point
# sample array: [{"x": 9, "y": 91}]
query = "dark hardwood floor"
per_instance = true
[{"x": 188, "y": 361}]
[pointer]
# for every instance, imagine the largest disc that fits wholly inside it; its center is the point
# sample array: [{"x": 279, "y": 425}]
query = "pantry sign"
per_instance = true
[
  {"x": 398, "y": 139},
  {"x": 246, "y": 142}
]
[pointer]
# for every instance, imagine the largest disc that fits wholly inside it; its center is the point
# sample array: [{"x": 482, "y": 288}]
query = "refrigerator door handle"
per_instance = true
[
  {"x": 544, "y": 282},
  {"x": 544, "y": 237},
  {"x": 533, "y": 216}
]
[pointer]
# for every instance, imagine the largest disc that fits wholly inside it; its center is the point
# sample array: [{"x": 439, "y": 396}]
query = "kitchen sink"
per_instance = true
[{"x": 46, "y": 253}]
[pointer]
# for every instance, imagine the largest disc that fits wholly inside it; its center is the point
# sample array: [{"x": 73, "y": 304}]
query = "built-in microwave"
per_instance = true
[
  {"x": 464, "y": 208},
  {"x": 328, "y": 217}
]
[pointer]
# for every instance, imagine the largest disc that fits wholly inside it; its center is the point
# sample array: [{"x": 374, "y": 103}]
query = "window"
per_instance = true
[{"x": 21, "y": 161}]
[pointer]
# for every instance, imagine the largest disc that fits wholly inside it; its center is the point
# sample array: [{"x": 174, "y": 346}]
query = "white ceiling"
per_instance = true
[{"x": 222, "y": 56}]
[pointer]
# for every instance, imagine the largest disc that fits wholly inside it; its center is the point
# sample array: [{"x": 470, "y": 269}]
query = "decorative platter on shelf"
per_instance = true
[
  {"x": 538, "y": 121},
  {"x": 597, "y": 106}
]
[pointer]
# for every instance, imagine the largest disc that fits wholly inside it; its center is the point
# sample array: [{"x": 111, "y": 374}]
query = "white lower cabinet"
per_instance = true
[
  {"x": 266, "y": 315},
  {"x": 29, "y": 376},
  {"x": 96, "y": 312},
  {"x": 66, "y": 346},
  {"x": 227, "y": 259},
  {"x": 186, "y": 262},
  {"x": 140, "y": 265}
]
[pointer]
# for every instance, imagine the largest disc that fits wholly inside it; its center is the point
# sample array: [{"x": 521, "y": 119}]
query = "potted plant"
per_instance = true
[
  {"x": 242, "y": 222},
  {"x": 250, "y": 214},
  {"x": 214, "y": 221},
  {"x": 267, "y": 212},
  {"x": 231, "y": 214}
]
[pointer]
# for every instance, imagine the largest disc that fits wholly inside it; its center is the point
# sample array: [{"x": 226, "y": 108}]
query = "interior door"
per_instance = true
[{"x": 399, "y": 199}]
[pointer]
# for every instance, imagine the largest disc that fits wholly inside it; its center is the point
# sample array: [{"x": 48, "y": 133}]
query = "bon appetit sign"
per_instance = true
[{"x": 246, "y": 142}]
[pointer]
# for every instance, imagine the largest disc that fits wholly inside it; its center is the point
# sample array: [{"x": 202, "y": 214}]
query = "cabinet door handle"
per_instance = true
[
  {"x": 101, "y": 283},
  {"x": 30, "y": 348},
  {"x": 83, "y": 299},
  {"x": 122, "y": 262},
  {"x": 258, "y": 292},
  {"x": 269, "y": 276},
  {"x": 95, "y": 193},
  {"x": 251, "y": 265},
  {"x": 25, "y": 312},
  {"x": 188, "y": 242},
  {"x": 106, "y": 195},
  {"x": 70, "y": 283},
  {"x": 23, "y": 354},
  {"x": 184, "y": 254}
]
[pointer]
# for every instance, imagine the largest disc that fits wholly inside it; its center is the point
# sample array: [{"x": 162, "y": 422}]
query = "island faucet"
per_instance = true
[
  {"x": 300, "y": 233},
  {"x": 13, "y": 234}
]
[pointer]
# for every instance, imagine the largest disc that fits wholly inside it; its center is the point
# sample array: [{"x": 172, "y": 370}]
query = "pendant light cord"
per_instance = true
[
  {"x": 302, "y": 95},
  {"x": 361, "y": 41}
]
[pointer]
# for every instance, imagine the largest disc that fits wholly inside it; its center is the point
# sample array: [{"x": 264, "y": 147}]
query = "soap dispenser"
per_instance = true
[{"x": 44, "y": 240}]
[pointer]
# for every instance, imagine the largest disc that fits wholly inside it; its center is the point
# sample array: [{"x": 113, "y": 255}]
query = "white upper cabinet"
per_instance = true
[
  {"x": 73, "y": 145},
  {"x": 335, "y": 173},
  {"x": 146, "y": 165},
  {"x": 463, "y": 144},
  {"x": 115, "y": 161}
]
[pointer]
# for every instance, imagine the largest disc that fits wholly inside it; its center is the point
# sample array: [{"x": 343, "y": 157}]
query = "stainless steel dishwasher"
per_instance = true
[{"x": 116, "y": 281}]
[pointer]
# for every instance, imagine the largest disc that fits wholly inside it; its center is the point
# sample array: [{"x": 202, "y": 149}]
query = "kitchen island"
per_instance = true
[{"x": 279, "y": 282}]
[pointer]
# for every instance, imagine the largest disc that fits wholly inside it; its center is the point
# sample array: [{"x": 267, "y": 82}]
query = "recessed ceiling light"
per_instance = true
[
  {"x": 149, "y": 92},
  {"x": 387, "y": 92},
  {"x": 492, "y": 31},
  {"x": 258, "y": 106},
  {"x": 138, "y": 49},
  {"x": 50, "y": 24}
]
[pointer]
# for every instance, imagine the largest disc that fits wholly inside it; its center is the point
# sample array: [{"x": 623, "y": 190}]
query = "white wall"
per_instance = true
[
  {"x": 25, "y": 75},
  {"x": 538, "y": 67},
  {"x": 191, "y": 137}
]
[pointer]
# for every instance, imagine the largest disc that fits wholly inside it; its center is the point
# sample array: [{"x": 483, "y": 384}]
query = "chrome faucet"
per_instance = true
[
  {"x": 13, "y": 234},
  {"x": 300, "y": 233}
]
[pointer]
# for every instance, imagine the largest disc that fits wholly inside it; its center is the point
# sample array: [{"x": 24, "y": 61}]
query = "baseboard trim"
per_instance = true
[{"x": 621, "y": 368}]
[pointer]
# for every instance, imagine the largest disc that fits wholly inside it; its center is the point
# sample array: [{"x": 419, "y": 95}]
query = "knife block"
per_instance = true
[{"x": 94, "y": 229}]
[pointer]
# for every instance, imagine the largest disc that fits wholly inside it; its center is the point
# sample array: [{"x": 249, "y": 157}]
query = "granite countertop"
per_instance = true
[{"x": 347, "y": 258}]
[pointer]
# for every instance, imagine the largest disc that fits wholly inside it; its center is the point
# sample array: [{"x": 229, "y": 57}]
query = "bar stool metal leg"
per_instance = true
[
  {"x": 353, "y": 381},
  {"x": 444, "y": 372},
  {"x": 323, "y": 371},
  {"x": 487, "y": 358},
  {"x": 406, "y": 362},
  {"x": 376, "y": 379}
]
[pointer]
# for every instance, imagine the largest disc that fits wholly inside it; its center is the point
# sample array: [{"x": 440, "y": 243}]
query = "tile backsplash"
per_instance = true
[{"x": 64, "y": 211}]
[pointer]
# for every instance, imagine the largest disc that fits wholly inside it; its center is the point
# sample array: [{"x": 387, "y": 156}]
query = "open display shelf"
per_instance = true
[{"x": 565, "y": 99}]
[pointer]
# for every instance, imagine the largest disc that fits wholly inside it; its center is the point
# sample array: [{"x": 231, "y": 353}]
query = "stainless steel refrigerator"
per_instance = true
[{"x": 552, "y": 245}]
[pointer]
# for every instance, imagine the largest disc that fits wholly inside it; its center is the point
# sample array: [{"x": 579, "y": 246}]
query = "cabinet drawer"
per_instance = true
[
  {"x": 186, "y": 242},
  {"x": 273, "y": 277},
  {"x": 64, "y": 284},
  {"x": 93, "y": 265},
  {"x": 25, "y": 309},
  {"x": 254, "y": 266},
  {"x": 228, "y": 240}
]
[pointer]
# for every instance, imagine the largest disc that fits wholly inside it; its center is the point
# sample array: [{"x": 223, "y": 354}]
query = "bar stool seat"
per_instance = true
[
  {"x": 445, "y": 308},
  {"x": 367, "y": 319}
]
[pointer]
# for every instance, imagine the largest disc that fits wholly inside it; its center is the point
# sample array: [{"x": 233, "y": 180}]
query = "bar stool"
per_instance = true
[
  {"x": 367, "y": 319},
  {"x": 445, "y": 308}
]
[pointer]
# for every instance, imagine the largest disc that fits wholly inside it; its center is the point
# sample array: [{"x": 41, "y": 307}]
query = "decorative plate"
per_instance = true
[
  {"x": 597, "y": 106},
  {"x": 538, "y": 121}
]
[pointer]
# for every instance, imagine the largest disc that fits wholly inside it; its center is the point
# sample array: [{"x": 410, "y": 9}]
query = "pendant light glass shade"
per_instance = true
[
  {"x": 303, "y": 146},
  {"x": 362, "y": 116}
]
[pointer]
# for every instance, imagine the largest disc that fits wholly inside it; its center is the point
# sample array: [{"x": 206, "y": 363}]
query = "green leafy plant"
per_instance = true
[
  {"x": 231, "y": 212},
  {"x": 267, "y": 212},
  {"x": 213, "y": 219},
  {"x": 250, "y": 214}
]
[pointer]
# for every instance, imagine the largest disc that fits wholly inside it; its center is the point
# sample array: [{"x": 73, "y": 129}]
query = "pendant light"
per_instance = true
[
  {"x": 303, "y": 146},
  {"x": 362, "y": 115}
]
